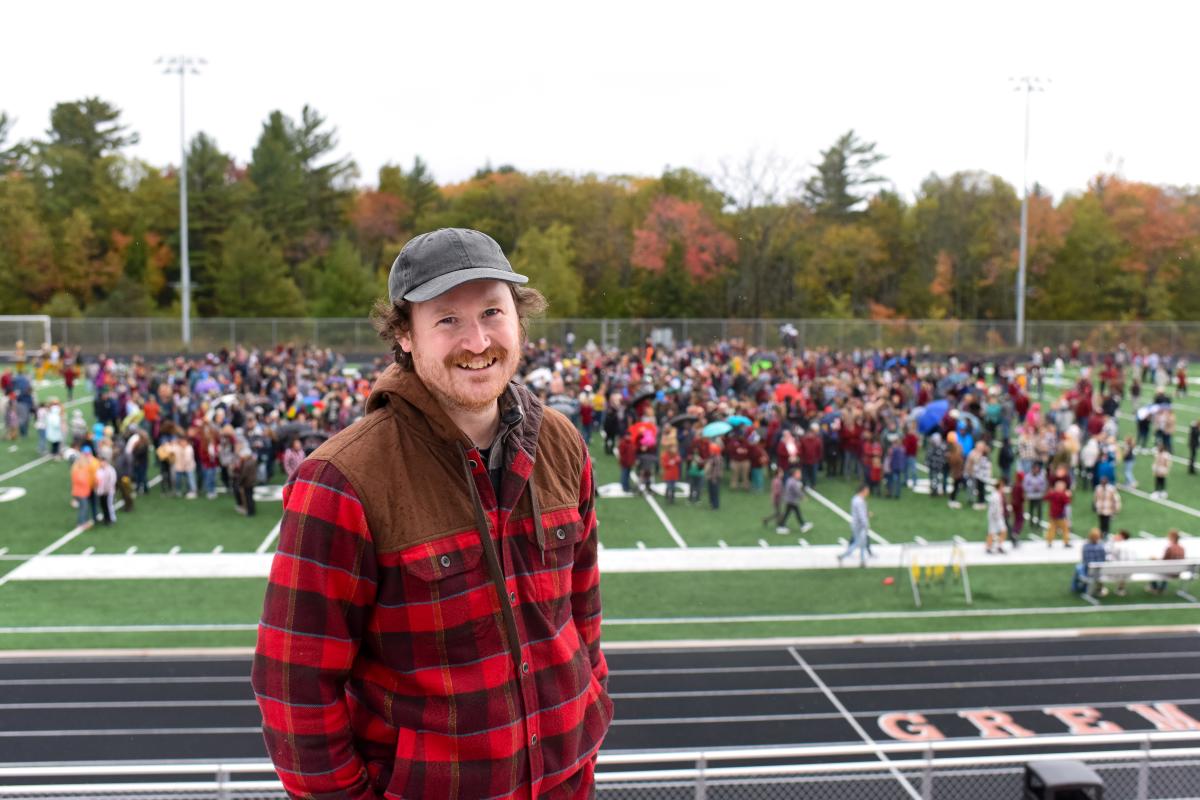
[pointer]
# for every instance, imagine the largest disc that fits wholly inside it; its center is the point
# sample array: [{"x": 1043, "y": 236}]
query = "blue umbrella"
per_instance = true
[
  {"x": 714, "y": 429},
  {"x": 737, "y": 421},
  {"x": 932, "y": 416}
]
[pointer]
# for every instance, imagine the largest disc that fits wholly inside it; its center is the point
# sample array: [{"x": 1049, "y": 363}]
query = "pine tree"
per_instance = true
[{"x": 253, "y": 279}]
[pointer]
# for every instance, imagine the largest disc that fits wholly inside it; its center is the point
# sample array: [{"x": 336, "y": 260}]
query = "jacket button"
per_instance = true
[
  {"x": 533, "y": 740},
  {"x": 472, "y": 464},
  {"x": 524, "y": 667},
  {"x": 512, "y": 598},
  {"x": 445, "y": 561},
  {"x": 560, "y": 533}
]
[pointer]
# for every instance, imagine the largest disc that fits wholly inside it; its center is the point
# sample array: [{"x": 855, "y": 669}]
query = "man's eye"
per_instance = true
[{"x": 446, "y": 321}]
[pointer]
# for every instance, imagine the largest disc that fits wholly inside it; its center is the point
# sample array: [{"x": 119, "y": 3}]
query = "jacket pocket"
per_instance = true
[
  {"x": 438, "y": 566},
  {"x": 558, "y": 540},
  {"x": 446, "y": 608}
]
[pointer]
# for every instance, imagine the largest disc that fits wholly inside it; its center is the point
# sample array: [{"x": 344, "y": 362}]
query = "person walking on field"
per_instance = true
[
  {"x": 106, "y": 489},
  {"x": 997, "y": 523},
  {"x": 431, "y": 627},
  {"x": 1035, "y": 485},
  {"x": 1161, "y": 468},
  {"x": 793, "y": 493},
  {"x": 860, "y": 527},
  {"x": 955, "y": 463},
  {"x": 1108, "y": 504},
  {"x": 1193, "y": 445}
]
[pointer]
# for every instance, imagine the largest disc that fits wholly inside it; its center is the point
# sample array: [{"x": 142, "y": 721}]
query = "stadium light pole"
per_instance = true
[
  {"x": 182, "y": 65},
  {"x": 1028, "y": 85}
]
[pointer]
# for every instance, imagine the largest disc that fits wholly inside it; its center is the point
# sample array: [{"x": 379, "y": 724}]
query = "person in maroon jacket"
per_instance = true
[
  {"x": 1058, "y": 499},
  {"x": 431, "y": 627}
]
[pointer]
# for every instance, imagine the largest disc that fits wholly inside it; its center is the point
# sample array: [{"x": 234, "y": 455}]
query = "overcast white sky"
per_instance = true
[{"x": 630, "y": 87}]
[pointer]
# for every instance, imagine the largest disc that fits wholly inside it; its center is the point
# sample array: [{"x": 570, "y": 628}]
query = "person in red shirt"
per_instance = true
[
  {"x": 1058, "y": 499},
  {"x": 872, "y": 461},
  {"x": 1017, "y": 493},
  {"x": 670, "y": 463},
  {"x": 911, "y": 445},
  {"x": 738, "y": 450}
]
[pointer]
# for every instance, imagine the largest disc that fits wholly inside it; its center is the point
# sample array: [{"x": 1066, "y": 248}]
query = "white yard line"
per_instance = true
[
  {"x": 662, "y": 517},
  {"x": 271, "y": 537},
  {"x": 825, "y": 501},
  {"x": 853, "y": 723},
  {"x": 1168, "y": 502},
  {"x": 37, "y": 462},
  {"x": 48, "y": 549},
  {"x": 69, "y": 536}
]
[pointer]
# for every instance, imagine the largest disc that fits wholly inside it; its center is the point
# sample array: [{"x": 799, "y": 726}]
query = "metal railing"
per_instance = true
[
  {"x": 1134, "y": 766},
  {"x": 159, "y": 336}
]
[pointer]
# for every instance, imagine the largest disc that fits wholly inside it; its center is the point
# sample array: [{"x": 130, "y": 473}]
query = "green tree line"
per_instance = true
[{"x": 86, "y": 229}]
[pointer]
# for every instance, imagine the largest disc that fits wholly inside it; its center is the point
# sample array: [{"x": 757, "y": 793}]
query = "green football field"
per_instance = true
[{"x": 37, "y": 521}]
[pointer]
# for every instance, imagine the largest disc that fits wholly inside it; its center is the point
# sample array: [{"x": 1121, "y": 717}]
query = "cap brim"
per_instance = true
[{"x": 444, "y": 283}]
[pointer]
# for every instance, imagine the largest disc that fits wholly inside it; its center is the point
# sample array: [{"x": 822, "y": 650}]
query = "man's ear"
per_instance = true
[{"x": 405, "y": 342}]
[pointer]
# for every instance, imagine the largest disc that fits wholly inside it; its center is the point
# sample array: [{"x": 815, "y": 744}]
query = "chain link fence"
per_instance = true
[
  {"x": 1164, "y": 766},
  {"x": 159, "y": 336}
]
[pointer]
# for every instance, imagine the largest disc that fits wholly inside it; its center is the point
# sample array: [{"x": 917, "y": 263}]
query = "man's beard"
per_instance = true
[{"x": 444, "y": 383}]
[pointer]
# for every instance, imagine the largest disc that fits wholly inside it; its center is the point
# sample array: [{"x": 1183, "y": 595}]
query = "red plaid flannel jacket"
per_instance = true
[{"x": 423, "y": 637}]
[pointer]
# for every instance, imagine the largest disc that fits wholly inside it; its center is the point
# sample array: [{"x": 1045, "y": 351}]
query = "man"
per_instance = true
[
  {"x": 1093, "y": 552},
  {"x": 432, "y": 624},
  {"x": 793, "y": 493},
  {"x": 1193, "y": 445},
  {"x": 860, "y": 527}
]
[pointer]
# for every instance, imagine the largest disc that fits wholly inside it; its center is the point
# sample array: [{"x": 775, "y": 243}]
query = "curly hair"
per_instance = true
[{"x": 391, "y": 320}]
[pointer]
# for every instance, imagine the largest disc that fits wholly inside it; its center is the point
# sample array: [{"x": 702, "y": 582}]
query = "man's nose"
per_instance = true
[{"x": 476, "y": 338}]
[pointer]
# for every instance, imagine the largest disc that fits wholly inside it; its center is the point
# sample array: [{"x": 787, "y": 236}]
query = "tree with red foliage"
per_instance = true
[{"x": 706, "y": 249}]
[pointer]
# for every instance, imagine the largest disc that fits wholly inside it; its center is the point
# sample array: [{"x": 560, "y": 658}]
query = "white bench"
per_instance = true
[{"x": 1183, "y": 570}]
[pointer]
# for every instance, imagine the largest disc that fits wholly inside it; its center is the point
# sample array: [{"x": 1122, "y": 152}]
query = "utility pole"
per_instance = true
[
  {"x": 1028, "y": 85},
  {"x": 182, "y": 65}
]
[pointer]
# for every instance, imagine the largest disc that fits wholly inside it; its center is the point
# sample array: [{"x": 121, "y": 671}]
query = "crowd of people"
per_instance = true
[
  {"x": 700, "y": 419},
  {"x": 981, "y": 431},
  {"x": 221, "y": 423}
]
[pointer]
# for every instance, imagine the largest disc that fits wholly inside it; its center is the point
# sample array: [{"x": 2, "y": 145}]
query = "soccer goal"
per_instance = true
[
  {"x": 935, "y": 565},
  {"x": 32, "y": 329}
]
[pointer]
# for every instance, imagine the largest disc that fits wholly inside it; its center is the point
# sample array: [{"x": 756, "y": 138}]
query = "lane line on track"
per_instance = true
[
  {"x": 825, "y": 501},
  {"x": 882, "y": 756},
  {"x": 152, "y": 680},
  {"x": 662, "y": 517},
  {"x": 257, "y": 731},
  {"x": 950, "y": 662}
]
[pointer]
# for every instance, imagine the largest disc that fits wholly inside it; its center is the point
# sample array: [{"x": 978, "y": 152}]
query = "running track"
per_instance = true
[{"x": 151, "y": 708}]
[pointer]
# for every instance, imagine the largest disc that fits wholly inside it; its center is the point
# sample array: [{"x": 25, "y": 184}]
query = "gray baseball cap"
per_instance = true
[{"x": 434, "y": 263}]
